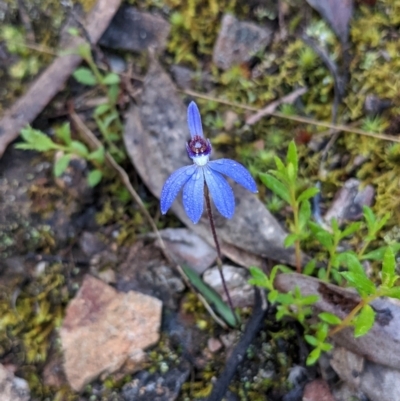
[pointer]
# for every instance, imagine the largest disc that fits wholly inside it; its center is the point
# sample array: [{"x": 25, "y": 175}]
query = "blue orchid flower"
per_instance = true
[{"x": 192, "y": 178}]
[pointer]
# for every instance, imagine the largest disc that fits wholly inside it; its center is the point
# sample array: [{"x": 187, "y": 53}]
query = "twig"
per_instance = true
[
  {"x": 239, "y": 353},
  {"x": 288, "y": 99},
  {"x": 94, "y": 144}
]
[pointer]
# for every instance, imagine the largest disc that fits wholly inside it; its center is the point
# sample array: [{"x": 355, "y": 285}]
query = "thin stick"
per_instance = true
[{"x": 218, "y": 248}]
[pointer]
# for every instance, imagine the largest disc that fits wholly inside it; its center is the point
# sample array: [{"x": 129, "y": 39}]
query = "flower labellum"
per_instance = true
[{"x": 193, "y": 177}]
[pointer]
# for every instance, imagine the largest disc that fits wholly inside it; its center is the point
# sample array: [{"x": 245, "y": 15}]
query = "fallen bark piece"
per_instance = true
[
  {"x": 377, "y": 382},
  {"x": 12, "y": 388},
  {"x": 51, "y": 81},
  {"x": 155, "y": 136},
  {"x": 131, "y": 29},
  {"x": 380, "y": 344},
  {"x": 105, "y": 331},
  {"x": 238, "y": 41}
]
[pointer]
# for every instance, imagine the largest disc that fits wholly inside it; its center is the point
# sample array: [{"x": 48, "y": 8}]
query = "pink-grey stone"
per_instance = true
[
  {"x": 238, "y": 41},
  {"x": 12, "y": 388},
  {"x": 105, "y": 331}
]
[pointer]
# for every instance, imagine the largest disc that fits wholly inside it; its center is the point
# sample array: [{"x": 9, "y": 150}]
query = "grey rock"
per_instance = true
[
  {"x": 238, "y": 41},
  {"x": 134, "y": 30},
  {"x": 241, "y": 293},
  {"x": 377, "y": 382}
]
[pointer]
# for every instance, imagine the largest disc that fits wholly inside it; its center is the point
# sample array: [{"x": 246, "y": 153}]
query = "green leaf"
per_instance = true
[
  {"x": 292, "y": 157},
  {"x": 64, "y": 133},
  {"x": 304, "y": 215},
  {"x": 259, "y": 278},
  {"x": 61, "y": 164},
  {"x": 379, "y": 225},
  {"x": 111, "y": 79},
  {"x": 291, "y": 174},
  {"x": 285, "y": 299},
  {"x": 97, "y": 155},
  {"x": 84, "y": 76},
  {"x": 313, "y": 356},
  {"x": 378, "y": 253},
  {"x": 311, "y": 340},
  {"x": 393, "y": 292},
  {"x": 361, "y": 283},
  {"x": 309, "y": 267},
  {"x": 211, "y": 296},
  {"x": 289, "y": 240},
  {"x": 113, "y": 92},
  {"x": 325, "y": 347},
  {"x": 94, "y": 177},
  {"x": 275, "y": 186},
  {"x": 364, "y": 321},
  {"x": 280, "y": 166},
  {"x": 307, "y": 194},
  {"x": 309, "y": 300},
  {"x": 73, "y": 31},
  {"x": 388, "y": 267},
  {"x": 369, "y": 218},
  {"x": 273, "y": 296},
  {"x": 325, "y": 239},
  {"x": 350, "y": 229},
  {"x": 101, "y": 109},
  {"x": 322, "y": 331},
  {"x": 79, "y": 148},
  {"x": 329, "y": 318},
  {"x": 36, "y": 140}
]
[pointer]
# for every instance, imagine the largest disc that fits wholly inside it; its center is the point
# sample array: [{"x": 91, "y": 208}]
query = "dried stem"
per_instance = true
[{"x": 219, "y": 255}]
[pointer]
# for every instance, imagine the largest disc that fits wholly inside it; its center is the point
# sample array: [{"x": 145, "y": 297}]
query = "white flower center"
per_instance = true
[{"x": 201, "y": 160}]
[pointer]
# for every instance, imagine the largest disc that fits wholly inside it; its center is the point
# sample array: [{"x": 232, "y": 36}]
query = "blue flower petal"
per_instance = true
[
  {"x": 193, "y": 196},
  {"x": 220, "y": 191},
  {"x": 173, "y": 185},
  {"x": 236, "y": 171},
  {"x": 194, "y": 120}
]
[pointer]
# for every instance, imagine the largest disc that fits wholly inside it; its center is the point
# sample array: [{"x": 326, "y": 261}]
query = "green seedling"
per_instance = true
[
  {"x": 284, "y": 183},
  {"x": 39, "y": 141}
]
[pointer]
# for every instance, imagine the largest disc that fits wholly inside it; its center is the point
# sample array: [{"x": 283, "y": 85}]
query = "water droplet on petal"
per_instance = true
[{"x": 189, "y": 171}]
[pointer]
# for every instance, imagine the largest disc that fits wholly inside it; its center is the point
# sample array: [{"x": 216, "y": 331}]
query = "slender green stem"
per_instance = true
[
  {"x": 219, "y": 255},
  {"x": 347, "y": 320},
  {"x": 297, "y": 248}
]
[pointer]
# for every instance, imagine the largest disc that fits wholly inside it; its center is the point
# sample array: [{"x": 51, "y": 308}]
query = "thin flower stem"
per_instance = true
[{"x": 219, "y": 255}]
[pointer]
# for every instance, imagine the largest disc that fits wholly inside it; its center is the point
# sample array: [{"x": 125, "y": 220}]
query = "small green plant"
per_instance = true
[
  {"x": 344, "y": 268},
  {"x": 39, "y": 141},
  {"x": 296, "y": 306},
  {"x": 284, "y": 183},
  {"x": 106, "y": 115}
]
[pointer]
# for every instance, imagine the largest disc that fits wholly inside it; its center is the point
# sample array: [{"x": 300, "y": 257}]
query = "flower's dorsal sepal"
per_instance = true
[{"x": 194, "y": 120}]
